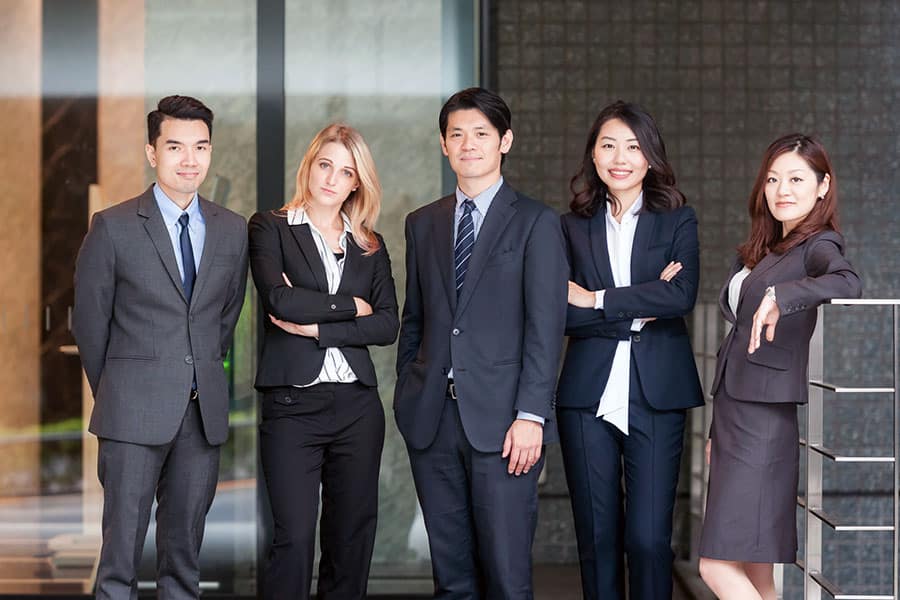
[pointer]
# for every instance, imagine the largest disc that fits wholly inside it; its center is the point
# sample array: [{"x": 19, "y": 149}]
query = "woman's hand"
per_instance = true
[
  {"x": 580, "y": 297},
  {"x": 363, "y": 308},
  {"x": 766, "y": 315},
  {"x": 708, "y": 450},
  {"x": 670, "y": 271},
  {"x": 311, "y": 330}
]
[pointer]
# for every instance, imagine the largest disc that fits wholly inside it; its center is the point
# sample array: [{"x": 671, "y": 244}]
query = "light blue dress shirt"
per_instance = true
[
  {"x": 171, "y": 212},
  {"x": 482, "y": 204}
]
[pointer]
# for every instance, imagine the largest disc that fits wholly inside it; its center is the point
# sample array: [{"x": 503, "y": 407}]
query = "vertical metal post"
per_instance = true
[
  {"x": 896, "y": 494},
  {"x": 814, "y": 435}
]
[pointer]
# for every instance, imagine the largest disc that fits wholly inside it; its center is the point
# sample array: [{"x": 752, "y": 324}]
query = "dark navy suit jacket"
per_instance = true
[
  {"x": 662, "y": 350},
  {"x": 503, "y": 336}
]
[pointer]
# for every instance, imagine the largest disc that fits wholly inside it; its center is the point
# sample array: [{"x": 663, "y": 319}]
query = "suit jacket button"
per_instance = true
[
  {"x": 287, "y": 400},
  {"x": 621, "y": 314},
  {"x": 636, "y": 338},
  {"x": 189, "y": 359},
  {"x": 333, "y": 306},
  {"x": 455, "y": 331}
]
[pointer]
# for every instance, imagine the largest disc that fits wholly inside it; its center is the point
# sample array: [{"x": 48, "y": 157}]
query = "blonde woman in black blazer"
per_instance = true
[
  {"x": 792, "y": 261},
  {"x": 324, "y": 279}
]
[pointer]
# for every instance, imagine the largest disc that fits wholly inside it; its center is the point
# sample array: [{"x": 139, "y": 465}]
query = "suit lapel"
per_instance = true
[
  {"x": 495, "y": 222},
  {"x": 768, "y": 261},
  {"x": 600, "y": 248},
  {"x": 304, "y": 238},
  {"x": 442, "y": 230},
  {"x": 347, "y": 273},
  {"x": 213, "y": 235},
  {"x": 156, "y": 229},
  {"x": 724, "y": 307},
  {"x": 643, "y": 234}
]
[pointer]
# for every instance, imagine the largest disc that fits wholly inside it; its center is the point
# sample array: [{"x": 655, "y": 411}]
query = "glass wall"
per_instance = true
[
  {"x": 385, "y": 68},
  {"x": 80, "y": 76}
]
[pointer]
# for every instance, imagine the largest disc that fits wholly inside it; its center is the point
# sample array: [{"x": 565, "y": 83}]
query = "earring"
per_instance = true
[{"x": 820, "y": 197}]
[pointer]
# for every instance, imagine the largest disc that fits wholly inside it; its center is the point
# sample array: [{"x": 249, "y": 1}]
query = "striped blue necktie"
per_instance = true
[{"x": 465, "y": 241}]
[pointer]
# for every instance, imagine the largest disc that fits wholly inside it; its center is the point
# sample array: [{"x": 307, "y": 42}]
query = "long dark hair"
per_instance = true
[
  {"x": 660, "y": 193},
  {"x": 766, "y": 231}
]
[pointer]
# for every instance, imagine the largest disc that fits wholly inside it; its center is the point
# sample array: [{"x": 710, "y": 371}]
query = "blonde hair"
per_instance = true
[{"x": 364, "y": 203}]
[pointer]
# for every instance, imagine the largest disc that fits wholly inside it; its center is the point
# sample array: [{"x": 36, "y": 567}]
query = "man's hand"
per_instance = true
[
  {"x": 522, "y": 445},
  {"x": 295, "y": 329},
  {"x": 580, "y": 297},
  {"x": 767, "y": 316}
]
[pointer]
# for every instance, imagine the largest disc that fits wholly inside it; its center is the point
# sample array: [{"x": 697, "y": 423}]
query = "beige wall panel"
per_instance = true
[
  {"x": 20, "y": 156},
  {"x": 121, "y": 115}
]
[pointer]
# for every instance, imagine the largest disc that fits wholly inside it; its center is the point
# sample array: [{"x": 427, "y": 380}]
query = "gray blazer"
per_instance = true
[
  {"x": 139, "y": 339},
  {"x": 504, "y": 333},
  {"x": 804, "y": 277}
]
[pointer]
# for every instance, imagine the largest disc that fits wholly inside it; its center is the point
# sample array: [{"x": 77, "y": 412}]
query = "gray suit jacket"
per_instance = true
[
  {"x": 803, "y": 277},
  {"x": 139, "y": 339},
  {"x": 504, "y": 333}
]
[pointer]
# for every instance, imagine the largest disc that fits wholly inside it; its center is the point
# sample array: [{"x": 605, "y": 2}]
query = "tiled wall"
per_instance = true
[{"x": 723, "y": 78}]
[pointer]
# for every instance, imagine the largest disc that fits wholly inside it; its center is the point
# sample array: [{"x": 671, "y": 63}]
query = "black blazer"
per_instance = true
[
  {"x": 804, "y": 277},
  {"x": 662, "y": 350},
  {"x": 504, "y": 333},
  {"x": 287, "y": 359}
]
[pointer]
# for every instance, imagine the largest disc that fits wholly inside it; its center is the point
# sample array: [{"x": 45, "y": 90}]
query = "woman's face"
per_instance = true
[
  {"x": 332, "y": 176},
  {"x": 792, "y": 190},
  {"x": 619, "y": 161}
]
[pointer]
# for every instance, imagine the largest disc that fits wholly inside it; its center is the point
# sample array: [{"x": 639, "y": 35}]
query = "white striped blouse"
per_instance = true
[{"x": 335, "y": 369}]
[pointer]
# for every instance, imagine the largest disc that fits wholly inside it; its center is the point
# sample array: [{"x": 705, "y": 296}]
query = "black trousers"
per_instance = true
[
  {"x": 330, "y": 434},
  {"x": 182, "y": 475},
  {"x": 480, "y": 519},
  {"x": 609, "y": 526}
]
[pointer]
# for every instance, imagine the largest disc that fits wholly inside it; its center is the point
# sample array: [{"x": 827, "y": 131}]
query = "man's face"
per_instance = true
[
  {"x": 474, "y": 146},
  {"x": 181, "y": 157}
]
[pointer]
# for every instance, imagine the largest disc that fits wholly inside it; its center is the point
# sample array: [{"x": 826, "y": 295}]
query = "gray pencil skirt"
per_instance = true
[{"x": 751, "y": 507}]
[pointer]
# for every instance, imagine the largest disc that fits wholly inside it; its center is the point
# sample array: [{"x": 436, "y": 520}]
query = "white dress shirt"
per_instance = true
[
  {"x": 335, "y": 369},
  {"x": 619, "y": 242}
]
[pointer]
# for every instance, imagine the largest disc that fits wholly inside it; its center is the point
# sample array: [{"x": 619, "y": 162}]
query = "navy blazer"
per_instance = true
[
  {"x": 804, "y": 277},
  {"x": 287, "y": 359},
  {"x": 662, "y": 350},
  {"x": 504, "y": 333}
]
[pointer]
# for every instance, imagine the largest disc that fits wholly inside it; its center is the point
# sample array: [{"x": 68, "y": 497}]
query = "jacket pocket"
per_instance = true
[{"x": 772, "y": 356}]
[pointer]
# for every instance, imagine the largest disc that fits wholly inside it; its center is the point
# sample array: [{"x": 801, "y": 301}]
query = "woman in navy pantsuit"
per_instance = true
[
  {"x": 792, "y": 261},
  {"x": 629, "y": 372}
]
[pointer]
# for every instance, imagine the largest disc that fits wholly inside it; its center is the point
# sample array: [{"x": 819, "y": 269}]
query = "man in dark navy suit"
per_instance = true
[{"x": 479, "y": 346}]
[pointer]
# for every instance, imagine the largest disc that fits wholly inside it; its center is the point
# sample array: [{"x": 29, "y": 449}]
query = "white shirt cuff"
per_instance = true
[
  {"x": 598, "y": 299},
  {"x": 530, "y": 417}
]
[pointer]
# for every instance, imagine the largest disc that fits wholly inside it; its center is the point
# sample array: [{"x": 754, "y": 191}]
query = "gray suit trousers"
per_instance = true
[{"x": 182, "y": 475}]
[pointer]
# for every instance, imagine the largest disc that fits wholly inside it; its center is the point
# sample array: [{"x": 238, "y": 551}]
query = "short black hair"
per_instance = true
[
  {"x": 490, "y": 104},
  {"x": 177, "y": 107}
]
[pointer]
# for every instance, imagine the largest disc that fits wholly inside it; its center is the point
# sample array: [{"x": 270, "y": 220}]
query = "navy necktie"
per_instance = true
[
  {"x": 465, "y": 241},
  {"x": 187, "y": 256}
]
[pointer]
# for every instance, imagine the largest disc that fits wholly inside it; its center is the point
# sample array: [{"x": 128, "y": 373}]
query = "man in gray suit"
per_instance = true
[{"x": 159, "y": 284}]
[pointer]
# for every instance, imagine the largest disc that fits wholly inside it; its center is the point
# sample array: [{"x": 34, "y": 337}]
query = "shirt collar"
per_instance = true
[
  {"x": 629, "y": 216},
  {"x": 171, "y": 212},
  {"x": 298, "y": 216},
  {"x": 483, "y": 200}
]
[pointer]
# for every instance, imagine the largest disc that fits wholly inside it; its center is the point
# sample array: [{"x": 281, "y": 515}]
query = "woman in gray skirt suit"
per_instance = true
[{"x": 792, "y": 261}]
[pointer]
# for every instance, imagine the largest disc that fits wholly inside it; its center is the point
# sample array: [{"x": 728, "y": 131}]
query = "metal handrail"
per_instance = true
[{"x": 814, "y": 580}]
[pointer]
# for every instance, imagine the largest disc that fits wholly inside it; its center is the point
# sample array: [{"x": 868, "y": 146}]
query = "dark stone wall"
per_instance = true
[{"x": 723, "y": 78}]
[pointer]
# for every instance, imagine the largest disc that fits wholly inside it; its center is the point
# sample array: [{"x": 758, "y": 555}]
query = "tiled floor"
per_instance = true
[{"x": 562, "y": 582}]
